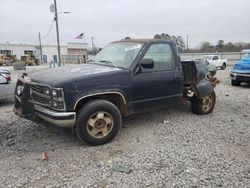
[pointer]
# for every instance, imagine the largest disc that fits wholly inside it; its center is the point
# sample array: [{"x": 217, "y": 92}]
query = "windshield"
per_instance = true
[
  {"x": 207, "y": 57},
  {"x": 120, "y": 54}
]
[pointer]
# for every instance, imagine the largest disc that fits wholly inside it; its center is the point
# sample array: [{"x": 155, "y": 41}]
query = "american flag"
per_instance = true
[{"x": 79, "y": 36}]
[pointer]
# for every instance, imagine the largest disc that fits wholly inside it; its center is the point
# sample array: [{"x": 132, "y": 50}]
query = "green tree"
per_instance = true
[
  {"x": 178, "y": 41},
  {"x": 157, "y": 36},
  {"x": 220, "y": 45},
  {"x": 181, "y": 44},
  {"x": 206, "y": 47}
]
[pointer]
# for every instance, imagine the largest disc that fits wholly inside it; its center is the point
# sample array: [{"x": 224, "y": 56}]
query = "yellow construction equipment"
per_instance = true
[
  {"x": 2, "y": 59},
  {"x": 7, "y": 59},
  {"x": 29, "y": 58}
]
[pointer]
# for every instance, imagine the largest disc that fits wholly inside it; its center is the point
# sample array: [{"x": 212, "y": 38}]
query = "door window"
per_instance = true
[
  {"x": 162, "y": 56},
  {"x": 215, "y": 58}
]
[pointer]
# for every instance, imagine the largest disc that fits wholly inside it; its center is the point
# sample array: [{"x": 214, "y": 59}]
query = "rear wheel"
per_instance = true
[
  {"x": 203, "y": 106},
  {"x": 98, "y": 122},
  {"x": 235, "y": 83},
  {"x": 223, "y": 67}
]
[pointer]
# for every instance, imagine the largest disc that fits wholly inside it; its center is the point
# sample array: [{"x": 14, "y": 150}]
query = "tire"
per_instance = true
[
  {"x": 235, "y": 83},
  {"x": 98, "y": 122},
  {"x": 203, "y": 106},
  {"x": 224, "y": 66}
]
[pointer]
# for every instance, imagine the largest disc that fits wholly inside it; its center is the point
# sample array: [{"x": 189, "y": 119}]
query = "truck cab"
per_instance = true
[
  {"x": 216, "y": 61},
  {"x": 126, "y": 77}
]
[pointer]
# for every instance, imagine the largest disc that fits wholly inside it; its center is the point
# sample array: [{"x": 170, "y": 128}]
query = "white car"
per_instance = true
[
  {"x": 216, "y": 61},
  {"x": 4, "y": 76}
]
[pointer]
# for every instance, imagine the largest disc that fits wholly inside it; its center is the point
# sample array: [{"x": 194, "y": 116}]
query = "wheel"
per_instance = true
[
  {"x": 224, "y": 66},
  {"x": 98, "y": 122},
  {"x": 203, "y": 106},
  {"x": 235, "y": 83}
]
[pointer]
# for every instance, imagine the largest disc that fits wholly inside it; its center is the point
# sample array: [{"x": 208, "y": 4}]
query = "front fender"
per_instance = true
[
  {"x": 93, "y": 93},
  {"x": 203, "y": 88}
]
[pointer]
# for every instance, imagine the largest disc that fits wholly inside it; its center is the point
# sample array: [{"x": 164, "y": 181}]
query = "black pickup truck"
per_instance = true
[{"x": 126, "y": 77}]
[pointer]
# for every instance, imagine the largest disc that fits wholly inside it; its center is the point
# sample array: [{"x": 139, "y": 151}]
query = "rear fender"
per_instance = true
[{"x": 203, "y": 88}]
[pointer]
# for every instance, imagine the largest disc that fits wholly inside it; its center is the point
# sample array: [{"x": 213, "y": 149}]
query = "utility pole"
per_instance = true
[
  {"x": 40, "y": 45},
  {"x": 93, "y": 46},
  {"x": 187, "y": 42},
  {"x": 57, "y": 35}
]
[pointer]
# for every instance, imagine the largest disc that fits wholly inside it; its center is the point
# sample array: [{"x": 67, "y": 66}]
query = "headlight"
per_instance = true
[
  {"x": 19, "y": 90},
  {"x": 54, "y": 93},
  {"x": 46, "y": 95},
  {"x": 46, "y": 90},
  {"x": 55, "y": 104},
  {"x": 57, "y": 93},
  {"x": 57, "y": 98},
  {"x": 58, "y": 104}
]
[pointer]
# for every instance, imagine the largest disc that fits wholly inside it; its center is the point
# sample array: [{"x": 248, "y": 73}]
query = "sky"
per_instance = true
[{"x": 109, "y": 20}]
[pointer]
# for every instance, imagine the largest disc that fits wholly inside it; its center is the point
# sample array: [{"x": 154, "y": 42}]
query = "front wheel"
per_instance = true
[
  {"x": 98, "y": 122},
  {"x": 203, "y": 106}
]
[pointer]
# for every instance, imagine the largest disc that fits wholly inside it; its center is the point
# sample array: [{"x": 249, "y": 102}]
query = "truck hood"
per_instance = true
[
  {"x": 243, "y": 66},
  {"x": 57, "y": 76}
]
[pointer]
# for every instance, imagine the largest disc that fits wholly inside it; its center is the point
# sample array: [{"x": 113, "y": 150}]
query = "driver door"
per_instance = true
[{"x": 160, "y": 85}]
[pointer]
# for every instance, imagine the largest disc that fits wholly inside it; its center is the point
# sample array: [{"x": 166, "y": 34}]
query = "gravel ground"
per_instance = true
[{"x": 166, "y": 148}]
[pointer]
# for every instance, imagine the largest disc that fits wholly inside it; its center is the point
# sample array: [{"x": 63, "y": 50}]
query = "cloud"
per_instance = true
[{"x": 206, "y": 20}]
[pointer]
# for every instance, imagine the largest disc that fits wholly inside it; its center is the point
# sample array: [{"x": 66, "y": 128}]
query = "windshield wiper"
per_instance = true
[{"x": 105, "y": 61}]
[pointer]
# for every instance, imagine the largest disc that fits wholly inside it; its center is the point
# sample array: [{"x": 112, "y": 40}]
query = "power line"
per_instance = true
[{"x": 49, "y": 28}]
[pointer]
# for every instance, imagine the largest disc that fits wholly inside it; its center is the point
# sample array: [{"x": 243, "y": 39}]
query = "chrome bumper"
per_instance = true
[
  {"x": 60, "y": 119},
  {"x": 240, "y": 76}
]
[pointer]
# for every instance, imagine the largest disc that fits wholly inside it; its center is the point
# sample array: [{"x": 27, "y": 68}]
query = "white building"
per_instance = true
[{"x": 48, "y": 51}]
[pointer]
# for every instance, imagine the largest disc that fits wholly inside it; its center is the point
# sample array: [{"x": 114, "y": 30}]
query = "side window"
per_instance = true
[
  {"x": 162, "y": 56},
  {"x": 215, "y": 58}
]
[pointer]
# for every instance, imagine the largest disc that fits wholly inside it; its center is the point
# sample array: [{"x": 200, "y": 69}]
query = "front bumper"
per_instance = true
[
  {"x": 26, "y": 108},
  {"x": 241, "y": 77},
  {"x": 61, "y": 119}
]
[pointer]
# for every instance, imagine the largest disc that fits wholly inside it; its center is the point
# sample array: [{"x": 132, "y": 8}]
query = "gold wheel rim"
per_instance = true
[
  {"x": 100, "y": 124},
  {"x": 207, "y": 103}
]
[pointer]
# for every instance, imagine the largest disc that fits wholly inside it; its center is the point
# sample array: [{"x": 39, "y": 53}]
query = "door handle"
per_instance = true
[{"x": 177, "y": 79}]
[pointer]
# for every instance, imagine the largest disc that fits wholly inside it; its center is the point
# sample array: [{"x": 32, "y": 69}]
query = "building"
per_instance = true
[
  {"x": 72, "y": 52},
  {"x": 76, "y": 53}
]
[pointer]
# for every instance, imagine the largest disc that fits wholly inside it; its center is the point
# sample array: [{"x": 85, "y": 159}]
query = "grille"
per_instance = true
[
  {"x": 40, "y": 99},
  {"x": 243, "y": 78},
  {"x": 37, "y": 88},
  {"x": 38, "y": 96}
]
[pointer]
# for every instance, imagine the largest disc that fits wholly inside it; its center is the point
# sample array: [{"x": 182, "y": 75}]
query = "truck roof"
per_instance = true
[{"x": 140, "y": 40}]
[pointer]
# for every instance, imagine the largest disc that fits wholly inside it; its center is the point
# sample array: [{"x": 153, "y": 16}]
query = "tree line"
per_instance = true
[
  {"x": 221, "y": 46},
  {"x": 178, "y": 40}
]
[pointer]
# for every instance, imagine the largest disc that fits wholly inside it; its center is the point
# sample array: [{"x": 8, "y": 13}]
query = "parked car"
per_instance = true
[
  {"x": 241, "y": 71},
  {"x": 126, "y": 77},
  {"x": 5, "y": 77},
  {"x": 216, "y": 61}
]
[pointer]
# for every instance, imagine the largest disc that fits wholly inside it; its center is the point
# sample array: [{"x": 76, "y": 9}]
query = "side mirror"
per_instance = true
[{"x": 147, "y": 63}]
